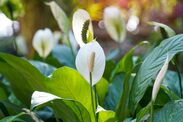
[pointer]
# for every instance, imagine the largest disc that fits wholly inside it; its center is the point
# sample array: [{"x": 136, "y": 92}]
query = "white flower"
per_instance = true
[
  {"x": 6, "y": 26},
  {"x": 43, "y": 42},
  {"x": 79, "y": 18},
  {"x": 159, "y": 79},
  {"x": 39, "y": 98},
  {"x": 91, "y": 58},
  {"x": 114, "y": 23}
]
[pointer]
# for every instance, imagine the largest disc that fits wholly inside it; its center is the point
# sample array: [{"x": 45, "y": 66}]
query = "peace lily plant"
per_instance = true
[
  {"x": 88, "y": 87},
  {"x": 114, "y": 23},
  {"x": 43, "y": 42},
  {"x": 90, "y": 60}
]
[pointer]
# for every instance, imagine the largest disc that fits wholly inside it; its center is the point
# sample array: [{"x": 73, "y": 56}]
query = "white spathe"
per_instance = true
[
  {"x": 43, "y": 42},
  {"x": 83, "y": 59},
  {"x": 159, "y": 79},
  {"x": 39, "y": 98},
  {"x": 79, "y": 18},
  {"x": 114, "y": 23},
  {"x": 6, "y": 26}
]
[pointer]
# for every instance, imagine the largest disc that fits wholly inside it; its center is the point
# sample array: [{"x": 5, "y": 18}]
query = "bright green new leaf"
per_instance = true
[
  {"x": 102, "y": 89},
  {"x": 105, "y": 115},
  {"x": 65, "y": 82}
]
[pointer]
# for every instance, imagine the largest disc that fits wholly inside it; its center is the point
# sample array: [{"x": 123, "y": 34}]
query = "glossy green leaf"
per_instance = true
[
  {"x": 115, "y": 90},
  {"x": 171, "y": 81},
  {"x": 24, "y": 78},
  {"x": 64, "y": 55},
  {"x": 126, "y": 63},
  {"x": 65, "y": 82},
  {"x": 106, "y": 115},
  {"x": 171, "y": 112},
  {"x": 66, "y": 109},
  {"x": 44, "y": 68},
  {"x": 122, "y": 110},
  {"x": 151, "y": 65},
  {"x": 102, "y": 89},
  {"x": 68, "y": 83},
  {"x": 110, "y": 65}
]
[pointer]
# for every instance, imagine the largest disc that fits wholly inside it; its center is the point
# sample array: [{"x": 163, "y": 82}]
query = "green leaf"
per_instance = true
[
  {"x": 65, "y": 82},
  {"x": 115, "y": 90},
  {"x": 106, "y": 116},
  {"x": 151, "y": 65},
  {"x": 66, "y": 109},
  {"x": 169, "y": 32},
  {"x": 24, "y": 78},
  {"x": 126, "y": 64},
  {"x": 122, "y": 110},
  {"x": 12, "y": 118},
  {"x": 68, "y": 83},
  {"x": 64, "y": 55},
  {"x": 170, "y": 93},
  {"x": 3, "y": 94},
  {"x": 110, "y": 65},
  {"x": 102, "y": 89},
  {"x": 44, "y": 68},
  {"x": 144, "y": 111},
  {"x": 60, "y": 17},
  {"x": 171, "y": 81},
  {"x": 171, "y": 112}
]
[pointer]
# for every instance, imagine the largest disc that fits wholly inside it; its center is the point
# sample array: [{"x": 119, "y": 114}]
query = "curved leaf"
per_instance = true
[
  {"x": 66, "y": 109},
  {"x": 171, "y": 112},
  {"x": 168, "y": 30},
  {"x": 68, "y": 83},
  {"x": 25, "y": 79},
  {"x": 151, "y": 65},
  {"x": 44, "y": 68}
]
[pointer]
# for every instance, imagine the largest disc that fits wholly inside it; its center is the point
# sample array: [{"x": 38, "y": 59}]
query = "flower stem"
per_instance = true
[
  {"x": 92, "y": 97},
  {"x": 152, "y": 112}
]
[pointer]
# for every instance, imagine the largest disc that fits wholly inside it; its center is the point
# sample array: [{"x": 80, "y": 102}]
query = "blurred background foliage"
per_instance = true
[{"x": 35, "y": 14}]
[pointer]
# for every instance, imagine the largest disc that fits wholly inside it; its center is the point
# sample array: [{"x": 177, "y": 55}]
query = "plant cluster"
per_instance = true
[{"x": 90, "y": 86}]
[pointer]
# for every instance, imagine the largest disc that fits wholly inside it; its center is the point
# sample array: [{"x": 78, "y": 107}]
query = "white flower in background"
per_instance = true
[
  {"x": 132, "y": 23},
  {"x": 43, "y": 42},
  {"x": 159, "y": 79},
  {"x": 114, "y": 23},
  {"x": 79, "y": 19},
  {"x": 6, "y": 26},
  {"x": 91, "y": 58}
]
